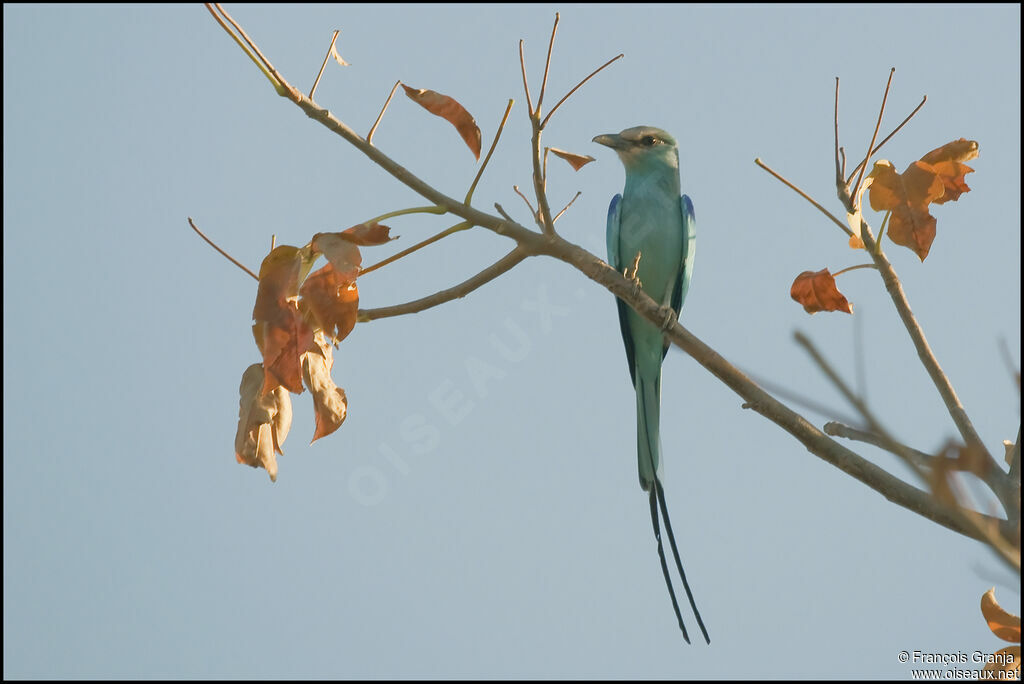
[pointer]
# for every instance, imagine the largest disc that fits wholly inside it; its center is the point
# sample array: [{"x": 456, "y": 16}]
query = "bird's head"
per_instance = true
[{"x": 643, "y": 148}]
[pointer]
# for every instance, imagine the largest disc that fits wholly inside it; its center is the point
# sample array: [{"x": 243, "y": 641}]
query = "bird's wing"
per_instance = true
[
  {"x": 686, "y": 258},
  {"x": 615, "y": 261}
]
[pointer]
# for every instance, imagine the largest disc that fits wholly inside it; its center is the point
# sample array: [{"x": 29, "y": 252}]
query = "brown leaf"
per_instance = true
[
  {"x": 577, "y": 161},
  {"x": 280, "y": 332},
  {"x": 1004, "y": 625},
  {"x": 281, "y": 344},
  {"x": 959, "y": 151},
  {"x": 952, "y": 174},
  {"x": 449, "y": 109},
  {"x": 329, "y": 400},
  {"x": 817, "y": 291},
  {"x": 341, "y": 250},
  {"x": 333, "y": 301},
  {"x": 263, "y": 422},
  {"x": 368, "y": 234},
  {"x": 907, "y": 196}
]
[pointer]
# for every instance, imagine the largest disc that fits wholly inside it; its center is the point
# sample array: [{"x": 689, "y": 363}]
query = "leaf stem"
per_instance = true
[{"x": 369, "y": 136}]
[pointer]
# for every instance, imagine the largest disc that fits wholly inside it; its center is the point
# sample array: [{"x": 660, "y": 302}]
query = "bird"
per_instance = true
[{"x": 651, "y": 236}]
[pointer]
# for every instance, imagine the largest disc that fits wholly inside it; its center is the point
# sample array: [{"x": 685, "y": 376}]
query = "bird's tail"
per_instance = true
[
  {"x": 648, "y": 412},
  {"x": 648, "y": 435}
]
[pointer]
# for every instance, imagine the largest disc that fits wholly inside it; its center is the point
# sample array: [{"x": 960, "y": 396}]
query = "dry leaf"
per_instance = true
[
  {"x": 263, "y": 422},
  {"x": 329, "y": 400},
  {"x": 333, "y": 302},
  {"x": 907, "y": 196},
  {"x": 280, "y": 331},
  {"x": 368, "y": 234},
  {"x": 817, "y": 291},
  {"x": 336, "y": 56},
  {"x": 449, "y": 109},
  {"x": 1004, "y": 625},
  {"x": 577, "y": 161}
]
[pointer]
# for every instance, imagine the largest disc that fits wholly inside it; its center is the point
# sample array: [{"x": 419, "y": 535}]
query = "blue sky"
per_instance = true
[{"x": 516, "y": 542}]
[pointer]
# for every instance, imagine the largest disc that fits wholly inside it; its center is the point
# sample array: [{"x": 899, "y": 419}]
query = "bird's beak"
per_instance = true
[{"x": 611, "y": 140}]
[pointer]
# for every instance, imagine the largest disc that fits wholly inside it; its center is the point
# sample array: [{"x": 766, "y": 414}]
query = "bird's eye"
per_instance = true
[{"x": 649, "y": 140}]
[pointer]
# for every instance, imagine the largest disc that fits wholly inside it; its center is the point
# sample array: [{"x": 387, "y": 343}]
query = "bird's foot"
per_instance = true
[
  {"x": 630, "y": 274},
  {"x": 669, "y": 317}
]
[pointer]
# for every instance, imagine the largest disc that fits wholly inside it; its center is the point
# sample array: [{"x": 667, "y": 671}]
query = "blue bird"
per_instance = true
[{"x": 652, "y": 239}]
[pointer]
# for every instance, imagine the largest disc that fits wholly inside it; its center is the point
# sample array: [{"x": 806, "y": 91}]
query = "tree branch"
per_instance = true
[{"x": 461, "y": 290}]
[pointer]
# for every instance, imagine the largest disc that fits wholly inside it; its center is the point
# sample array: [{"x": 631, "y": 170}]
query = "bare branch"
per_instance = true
[
  {"x": 526, "y": 85},
  {"x": 894, "y": 132},
  {"x": 494, "y": 144},
  {"x": 312, "y": 91},
  {"x": 533, "y": 211},
  {"x": 461, "y": 290},
  {"x": 547, "y": 64},
  {"x": 418, "y": 246},
  {"x": 595, "y": 72},
  {"x": 807, "y": 197},
  {"x": 559, "y": 214},
  {"x": 874, "y": 136},
  {"x": 840, "y": 184},
  {"x": 373, "y": 128},
  {"x": 227, "y": 256},
  {"x": 928, "y": 360},
  {"x": 920, "y": 458}
]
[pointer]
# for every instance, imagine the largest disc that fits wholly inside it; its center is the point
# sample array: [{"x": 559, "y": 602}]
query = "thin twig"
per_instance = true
[
  {"x": 577, "y": 87},
  {"x": 501, "y": 210},
  {"x": 494, "y": 144},
  {"x": 837, "y": 429},
  {"x": 839, "y": 170},
  {"x": 533, "y": 211},
  {"x": 526, "y": 85},
  {"x": 784, "y": 393},
  {"x": 854, "y": 268},
  {"x": 894, "y": 132},
  {"x": 283, "y": 87},
  {"x": 874, "y": 136},
  {"x": 312, "y": 91},
  {"x": 578, "y": 193},
  {"x": 547, "y": 64},
  {"x": 807, "y": 197},
  {"x": 245, "y": 48},
  {"x": 418, "y": 246},
  {"x": 227, "y": 256},
  {"x": 369, "y": 136},
  {"x": 461, "y": 290}
]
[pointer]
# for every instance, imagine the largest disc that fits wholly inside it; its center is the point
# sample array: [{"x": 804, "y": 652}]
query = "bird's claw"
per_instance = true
[
  {"x": 669, "y": 317},
  {"x": 630, "y": 274}
]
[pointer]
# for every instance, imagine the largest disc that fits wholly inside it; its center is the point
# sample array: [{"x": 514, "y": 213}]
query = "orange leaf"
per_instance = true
[
  {"x": 333, "y": 300},
  {"x": 907, "y": 196},
  {"x": 817, "y": 291},
  {"x": 948, "y": 163},
  {"x": 1004, "y": 625},
  {"x": 263, "y": 422},
  {"x": 449, "y": 109},
  {"x": 280, "y": 332},
  {"x": 367, "y": 234},
  {"x": 577, "y": 161},
  {"x": 952, "y": 174},
  {"x": 959, "y": 151},
  {"x": 329, "y": 400},
  {"x": 1005, "y": 660}
]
